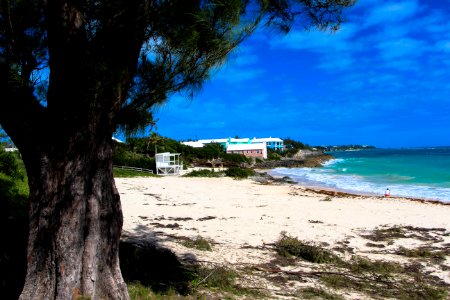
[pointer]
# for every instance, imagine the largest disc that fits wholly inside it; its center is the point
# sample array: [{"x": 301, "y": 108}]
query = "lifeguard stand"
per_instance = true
[{"x": 168, "y": 163}]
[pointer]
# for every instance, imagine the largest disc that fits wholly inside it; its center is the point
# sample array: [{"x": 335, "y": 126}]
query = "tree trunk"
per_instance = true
[{"x": 75, "y": 223}]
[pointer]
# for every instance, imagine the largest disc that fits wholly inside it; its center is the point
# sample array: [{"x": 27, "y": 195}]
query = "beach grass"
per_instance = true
[
  {"x": 374, "y": 278},
  {"x": 424, "y": 253},
  {"x": 138, "y": 291},
  {"x": 216, "y": 282},
  {"x": 221, "y": 279}
]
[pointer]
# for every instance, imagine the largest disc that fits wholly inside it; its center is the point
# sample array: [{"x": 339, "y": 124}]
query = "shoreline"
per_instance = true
[
  {"x": 336, "y": 191},
  {"x": 352, "y": 192}
]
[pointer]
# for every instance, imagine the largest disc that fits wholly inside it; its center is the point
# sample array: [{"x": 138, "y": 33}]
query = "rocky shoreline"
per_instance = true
[{"x": 312, "y": 160}]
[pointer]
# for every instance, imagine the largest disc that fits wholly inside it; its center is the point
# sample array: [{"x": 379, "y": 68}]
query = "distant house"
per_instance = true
[
  {"x": 250, "y": 150},
  {"x": 272, "y": 143},
  {"x": 223, "y": 142},
  {"x": 248, "y": 147}
]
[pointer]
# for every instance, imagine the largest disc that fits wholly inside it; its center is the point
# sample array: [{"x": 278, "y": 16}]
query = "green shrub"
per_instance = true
[
  {"x": 233, "y": 159},
  {"x": 204, "y": 173},
  {"x": 273, "y": 156},
  {"x": 9, "y": 165},
  {"x": 236, "y": 172},
  {"x": 123, "y": 157}
]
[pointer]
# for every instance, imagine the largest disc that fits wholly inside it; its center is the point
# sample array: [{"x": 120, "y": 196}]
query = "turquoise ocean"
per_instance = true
[{"x": 422, "y": 173}]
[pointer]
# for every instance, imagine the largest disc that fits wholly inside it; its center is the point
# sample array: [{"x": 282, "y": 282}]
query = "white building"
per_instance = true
[{"x": 272, "y": 143}]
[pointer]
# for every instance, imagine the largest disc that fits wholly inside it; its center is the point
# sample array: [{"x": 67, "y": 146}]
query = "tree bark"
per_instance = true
[{"x": 75, "y": 223}]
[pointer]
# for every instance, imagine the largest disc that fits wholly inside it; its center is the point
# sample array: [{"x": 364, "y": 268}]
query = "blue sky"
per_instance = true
[{"x": 383, "y": 79}]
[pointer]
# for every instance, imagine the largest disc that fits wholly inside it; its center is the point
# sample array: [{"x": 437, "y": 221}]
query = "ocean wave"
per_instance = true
[
  {"x": 328, "y": 178},
  {"x": 333, "y": 162}
]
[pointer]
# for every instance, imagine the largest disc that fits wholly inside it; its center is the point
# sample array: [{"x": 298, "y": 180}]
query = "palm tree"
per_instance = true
[{"x": 154, "y": 139}]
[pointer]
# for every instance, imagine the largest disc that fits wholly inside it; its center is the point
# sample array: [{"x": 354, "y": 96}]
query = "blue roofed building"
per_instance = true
[{"x": 272, "y": 143}]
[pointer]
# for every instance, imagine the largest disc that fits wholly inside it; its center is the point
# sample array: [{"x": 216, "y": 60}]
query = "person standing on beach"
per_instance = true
[{"x": 387, "y": 193}]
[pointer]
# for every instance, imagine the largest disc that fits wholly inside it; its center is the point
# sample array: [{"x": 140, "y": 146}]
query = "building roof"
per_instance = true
[
  {"x": 241, "y": 147},
  {"x": 243, "y": 140},
  {"x": 213, "y": 141},
  {"x": 193, "y": 144},
  {"x": 270, "y": 139}
]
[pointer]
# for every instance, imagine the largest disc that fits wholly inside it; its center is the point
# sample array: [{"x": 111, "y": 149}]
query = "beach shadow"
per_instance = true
[{"x": 144, "y": 260}]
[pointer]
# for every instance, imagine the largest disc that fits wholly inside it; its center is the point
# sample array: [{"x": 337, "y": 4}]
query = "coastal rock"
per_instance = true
[
  {"x": 303, "y": 153},
  {"x": 307, "y": 161}
]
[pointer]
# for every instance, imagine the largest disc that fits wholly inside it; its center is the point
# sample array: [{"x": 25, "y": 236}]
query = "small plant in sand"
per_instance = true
[
  {"x": 288, "y": 246},
  {"x": 198, "y": 243},
  {"x": 327, "y": 199}
]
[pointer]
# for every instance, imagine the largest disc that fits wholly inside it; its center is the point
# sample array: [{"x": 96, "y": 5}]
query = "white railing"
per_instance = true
[{"x": 134, "y": 169}]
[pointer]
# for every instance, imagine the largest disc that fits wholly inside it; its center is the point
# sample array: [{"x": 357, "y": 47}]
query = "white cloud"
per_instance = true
[
  {"x": 391, "y": 12},
  {"x": 245, "y": 59},
  {"x": 319, "y": 41},
  {"x": 401, "y": 48},
  {"x": 243, "y": 56}
]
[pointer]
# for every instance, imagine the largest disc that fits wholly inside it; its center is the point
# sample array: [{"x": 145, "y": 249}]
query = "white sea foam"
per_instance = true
[
  {"x": 324, "y": 177},
  {"x": 333, "y": 161}
]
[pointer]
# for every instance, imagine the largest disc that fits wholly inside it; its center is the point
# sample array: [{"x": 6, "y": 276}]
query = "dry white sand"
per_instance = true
[{"x": 239, "y": 215}]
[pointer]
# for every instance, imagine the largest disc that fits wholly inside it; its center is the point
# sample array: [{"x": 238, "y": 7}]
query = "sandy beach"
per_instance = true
[{"x": 244, "y": 218}]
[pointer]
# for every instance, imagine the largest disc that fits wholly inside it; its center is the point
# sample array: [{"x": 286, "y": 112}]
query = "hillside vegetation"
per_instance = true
[{"x": 140, "y": 152}]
